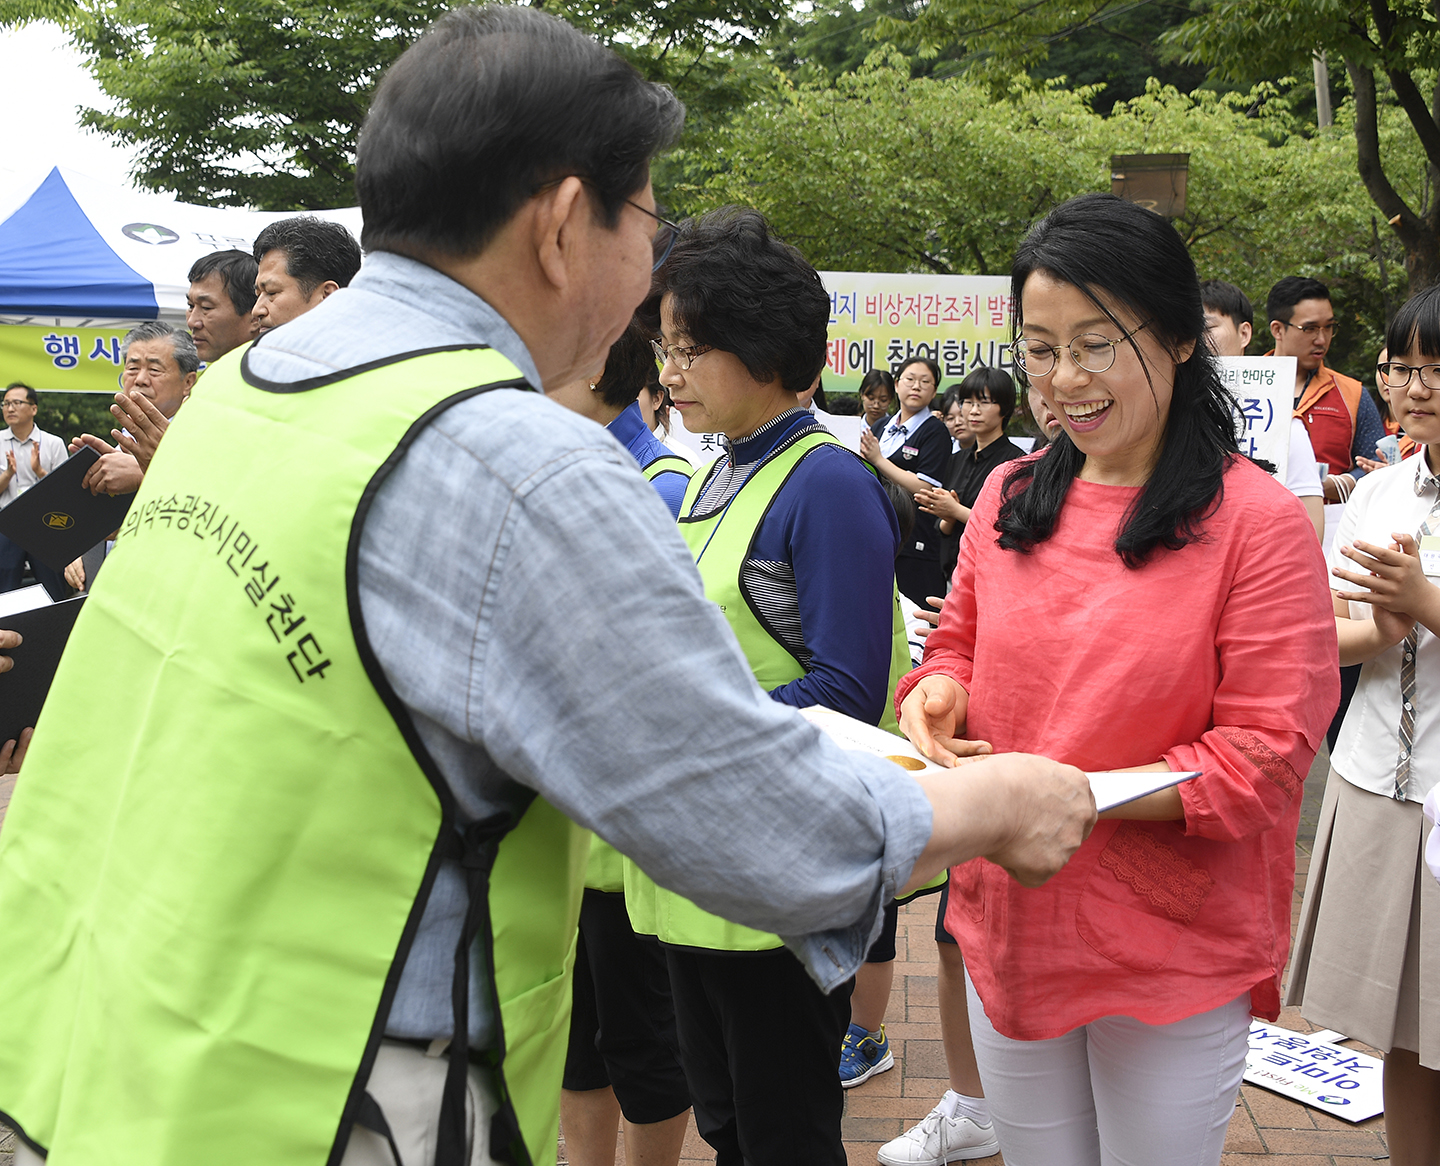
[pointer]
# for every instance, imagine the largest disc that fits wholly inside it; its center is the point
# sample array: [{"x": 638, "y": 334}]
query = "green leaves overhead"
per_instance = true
[
  {"x": 887, "y": 172},
  {"x": 259, "y": 102},
  {"x": 244, "y": 101}
]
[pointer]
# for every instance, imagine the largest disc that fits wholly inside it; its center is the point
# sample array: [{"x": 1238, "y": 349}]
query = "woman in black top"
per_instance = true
[
  {"x": 987, "y": 399},
  {"x": 912, "y": 449}
]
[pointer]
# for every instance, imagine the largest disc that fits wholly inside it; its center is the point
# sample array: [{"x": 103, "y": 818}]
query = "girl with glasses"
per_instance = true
[
  {"x": 1138, "y": 596},
  {"x": 1368, "y": 947}
]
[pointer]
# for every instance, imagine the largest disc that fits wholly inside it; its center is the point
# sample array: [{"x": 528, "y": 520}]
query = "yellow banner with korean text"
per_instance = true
[
  {"x": 62, "y": 359},
  {"x": 879, "y": 320}
]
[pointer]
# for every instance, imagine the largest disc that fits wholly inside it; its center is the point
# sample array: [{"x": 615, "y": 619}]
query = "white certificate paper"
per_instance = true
[
  {"x": 1113, "y": 789},
  {"x": 1110, "y": 788}
]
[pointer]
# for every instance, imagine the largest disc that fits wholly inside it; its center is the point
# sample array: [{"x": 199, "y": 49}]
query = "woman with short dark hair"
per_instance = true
[
  {"x": 795, "y": 539},
  {"x": 986, "y": 400},
  {"x": 1115, "y": 605},
  {"x": 621, "y": 1061}
]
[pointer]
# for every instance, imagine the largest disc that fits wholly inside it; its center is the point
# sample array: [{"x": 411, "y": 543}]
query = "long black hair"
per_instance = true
[{"x": 1116, "y": 251}]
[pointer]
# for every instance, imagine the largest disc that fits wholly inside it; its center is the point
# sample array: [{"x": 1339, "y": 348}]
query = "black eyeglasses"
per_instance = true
[
  {"x": 666, "y": 232},
  {"x": 1397, "y": 375},
  {"x": 1312, "y": 329}
]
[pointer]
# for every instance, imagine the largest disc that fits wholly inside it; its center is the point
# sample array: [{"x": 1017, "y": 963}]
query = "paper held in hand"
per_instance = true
[{"x": 1110, "y": 789}]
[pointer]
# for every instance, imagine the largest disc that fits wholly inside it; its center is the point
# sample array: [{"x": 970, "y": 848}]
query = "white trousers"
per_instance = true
[{"x": 1115, "y": 1092}]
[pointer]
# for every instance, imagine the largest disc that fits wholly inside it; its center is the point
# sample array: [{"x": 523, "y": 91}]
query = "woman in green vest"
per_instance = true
[
  {"x": 622, "y": 1061},
  {"x": 795, "y": 540}
]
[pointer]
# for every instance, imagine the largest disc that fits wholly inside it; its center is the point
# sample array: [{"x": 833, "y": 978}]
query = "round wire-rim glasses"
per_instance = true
[
  {"x": 1397, "y": 375},
  {"x": 1038, "y": 359}
]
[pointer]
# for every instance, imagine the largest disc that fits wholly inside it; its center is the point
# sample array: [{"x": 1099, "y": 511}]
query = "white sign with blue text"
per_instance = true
[
  {"x": 1314, "y": 1071},
  {"x": 1264, "y": 392}
]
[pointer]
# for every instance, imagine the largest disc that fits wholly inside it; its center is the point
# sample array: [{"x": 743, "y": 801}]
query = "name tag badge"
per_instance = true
[
  {"x": 1430, "y": 555},
  {"x": 909, "y": 451}
]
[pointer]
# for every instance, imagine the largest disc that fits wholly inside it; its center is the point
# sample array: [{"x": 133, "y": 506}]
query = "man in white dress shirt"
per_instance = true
[{"x": 30, "y": 454}]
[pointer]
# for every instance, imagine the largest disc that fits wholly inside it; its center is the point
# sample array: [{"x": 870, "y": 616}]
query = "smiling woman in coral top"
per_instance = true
[{"x": 1139, "y": 596}]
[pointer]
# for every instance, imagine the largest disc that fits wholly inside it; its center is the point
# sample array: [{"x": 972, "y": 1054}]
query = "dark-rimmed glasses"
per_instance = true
[
  {"x": 1397, "y": 375},
  {"x": 1312, "y": 329},
  {"x": 1096, "y": 353}
]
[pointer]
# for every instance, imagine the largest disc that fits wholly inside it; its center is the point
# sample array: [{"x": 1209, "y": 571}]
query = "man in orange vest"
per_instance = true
[{"x": 1338, "y": 414}]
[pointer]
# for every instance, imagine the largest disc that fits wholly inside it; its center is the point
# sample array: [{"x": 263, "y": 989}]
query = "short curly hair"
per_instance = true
[{"x": 734, "y": 285}]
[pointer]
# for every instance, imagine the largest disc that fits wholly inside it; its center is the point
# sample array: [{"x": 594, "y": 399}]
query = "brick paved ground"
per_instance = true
[{"x": 1266, "y": 1130}]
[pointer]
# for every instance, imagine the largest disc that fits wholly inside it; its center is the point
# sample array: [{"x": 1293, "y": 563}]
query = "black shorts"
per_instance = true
[
  {"x": 882, "y": 951},
  {"x": 622, "y": 1027},
  {"x": 941, "y": 935}
]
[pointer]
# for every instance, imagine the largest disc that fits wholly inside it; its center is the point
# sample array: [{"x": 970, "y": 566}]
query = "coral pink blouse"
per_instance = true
[{"x": 1219, "y": 657}]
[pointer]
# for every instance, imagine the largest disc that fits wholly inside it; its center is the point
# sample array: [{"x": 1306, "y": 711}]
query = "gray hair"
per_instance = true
[{"x": 181, "y": 343}]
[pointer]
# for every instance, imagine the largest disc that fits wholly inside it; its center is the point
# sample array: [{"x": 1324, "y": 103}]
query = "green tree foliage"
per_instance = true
[
  {"x": 883, "y": 171},
  {"x": 1384, "y": 44},
  {"x": 251, "y": 102},
  {"x": 259, "y": 102},
  {"x": 1121, "y": 50},
  {"x": 998, "y": 38}
]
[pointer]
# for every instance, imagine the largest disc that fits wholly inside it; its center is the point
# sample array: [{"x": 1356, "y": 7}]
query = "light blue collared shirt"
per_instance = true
[{"x": 520, "y": 629}]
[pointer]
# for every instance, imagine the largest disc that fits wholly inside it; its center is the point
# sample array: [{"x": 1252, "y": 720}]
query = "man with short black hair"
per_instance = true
[
  {"x": 30, "y": 454},
  {"x": 219, "y": 303},
  {"x": 1229, "y": 324},
  {"x": 301, "y": 261},
  {"x": 316, "y": 885},
  {"x": 1339, "y": 415}
]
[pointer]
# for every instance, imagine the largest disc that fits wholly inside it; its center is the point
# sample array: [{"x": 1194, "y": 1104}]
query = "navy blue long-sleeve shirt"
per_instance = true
[{"x": 824, "y": 556}]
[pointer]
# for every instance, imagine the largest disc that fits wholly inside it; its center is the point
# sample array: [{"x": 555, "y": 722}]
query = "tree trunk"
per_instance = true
[
  {"x": 1418, "y": 233},
  {"x": 1422, "y": 250}
]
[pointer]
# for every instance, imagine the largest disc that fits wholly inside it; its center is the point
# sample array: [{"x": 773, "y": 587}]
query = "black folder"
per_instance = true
[
  {"x": 57, "y": 520},
  {"x": 23, "y": 689}
]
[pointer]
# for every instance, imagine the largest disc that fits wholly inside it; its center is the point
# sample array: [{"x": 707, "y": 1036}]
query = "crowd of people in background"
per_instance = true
[{"x": 1068, "y": 558}]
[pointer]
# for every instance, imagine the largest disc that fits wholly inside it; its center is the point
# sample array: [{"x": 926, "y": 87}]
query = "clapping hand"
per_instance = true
[
  {"x": 12, "y": 753},
  {"x": 942, "y": 504},
  {"x": 35, "y": 459},
  {"x": 115, "y": 473},
  {"x": 930, "y": 618},
  {"x": 869, "y": 445},
  {"x": 144, "y": 426},
  {"x": 1394, "y": 586}
]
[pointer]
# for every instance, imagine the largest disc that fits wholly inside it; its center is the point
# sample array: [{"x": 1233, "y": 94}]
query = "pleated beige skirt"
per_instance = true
[{"x": 1367, "y": 950}]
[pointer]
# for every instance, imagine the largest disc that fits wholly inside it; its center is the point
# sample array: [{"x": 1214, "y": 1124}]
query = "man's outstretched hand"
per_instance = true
[{"x": 1025, "y": 813}]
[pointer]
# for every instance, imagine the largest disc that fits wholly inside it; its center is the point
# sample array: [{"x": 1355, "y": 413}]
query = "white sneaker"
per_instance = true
[{"x": 940, "y": 1139}]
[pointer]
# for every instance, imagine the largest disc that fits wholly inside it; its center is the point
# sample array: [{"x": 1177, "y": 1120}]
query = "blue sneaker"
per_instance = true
[{"x": 862, "y": 1056}]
